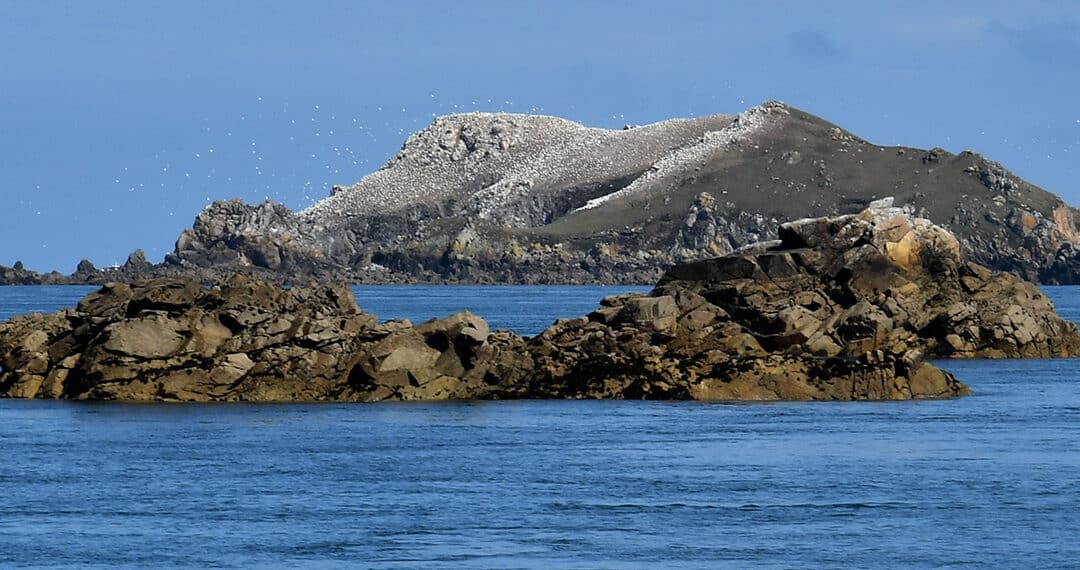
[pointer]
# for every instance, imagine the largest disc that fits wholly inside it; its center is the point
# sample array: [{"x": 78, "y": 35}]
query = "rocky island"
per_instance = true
[
  {"x": 837, "y": 308},
  {"x": 507, "y": 198}
]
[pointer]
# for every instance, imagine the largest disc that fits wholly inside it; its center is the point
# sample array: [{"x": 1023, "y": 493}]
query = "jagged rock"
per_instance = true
[
  {"x": 136, "y": 261},
  {"x": 266, "y": 236},
  {"x": 19, "y": 275},
  {"x": 840, "y": 309}
]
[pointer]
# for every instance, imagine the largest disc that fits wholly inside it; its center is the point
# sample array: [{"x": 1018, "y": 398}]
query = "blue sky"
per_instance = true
[{"x": 120, "y": 121}]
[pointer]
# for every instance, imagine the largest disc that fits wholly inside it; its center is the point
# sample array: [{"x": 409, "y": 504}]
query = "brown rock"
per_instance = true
[
  {"x": 406, "y": 350},
  {"x": 647, "y": 310},
  {"x": 152, "y": 337},
  {"x": 797, "y": 324}
]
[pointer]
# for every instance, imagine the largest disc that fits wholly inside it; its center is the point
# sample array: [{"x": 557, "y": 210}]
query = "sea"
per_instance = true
[{"x": 991, "y": 480}]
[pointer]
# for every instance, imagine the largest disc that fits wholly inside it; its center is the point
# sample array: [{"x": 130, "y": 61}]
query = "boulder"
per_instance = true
[
  {"x": 152, "y": 337},
  {"x": 463, "y": 325},
  {"x": 137, "y": 262}
]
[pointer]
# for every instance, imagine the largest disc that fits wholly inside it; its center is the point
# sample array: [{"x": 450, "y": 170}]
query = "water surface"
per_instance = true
[
  {"x": 989, "y": 480},
  {"x": 526, "y": 309}
]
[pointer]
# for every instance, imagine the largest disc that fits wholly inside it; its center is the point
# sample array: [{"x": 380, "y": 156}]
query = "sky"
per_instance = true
[{"x": 121, "y": 121}]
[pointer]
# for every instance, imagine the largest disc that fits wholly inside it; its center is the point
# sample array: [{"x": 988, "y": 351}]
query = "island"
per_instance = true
[{"x": 519, "y": 199}]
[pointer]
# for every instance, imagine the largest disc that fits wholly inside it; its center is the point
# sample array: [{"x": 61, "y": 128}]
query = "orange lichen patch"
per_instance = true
[
  {"x": 1063, "y": 219},
  {"x": 1028, "y": 221},
  {"x": 904, "y": 240},
  {"x": 904, "y": 252}
]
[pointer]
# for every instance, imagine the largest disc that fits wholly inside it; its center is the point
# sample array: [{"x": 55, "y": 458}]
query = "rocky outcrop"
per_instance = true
[
  {"x": 265, "y": 236},
  {"x": 172, "y": 339},
  {"x": 137, "y": 267},
  {"x": 842, "y": 308},
  {"x": 879, "y": 280},
  {"x": 20, "y": 275},
  {"x": 483, "y": 197},
  {"x": 838, "y": 308}
]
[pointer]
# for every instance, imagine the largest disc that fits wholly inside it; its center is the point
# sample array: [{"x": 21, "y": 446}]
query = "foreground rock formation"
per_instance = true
[{"x": 842, "y": 308}]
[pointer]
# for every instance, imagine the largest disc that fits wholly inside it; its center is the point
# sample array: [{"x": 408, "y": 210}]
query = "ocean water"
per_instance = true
[
  {"x": 526, "y": 309},
  {"x": 990, "y": 480}
]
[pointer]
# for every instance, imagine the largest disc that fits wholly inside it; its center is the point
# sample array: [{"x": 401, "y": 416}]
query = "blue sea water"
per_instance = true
[
  {"x": 990, "y": 480},
  {"x": 526, "y": 309}
]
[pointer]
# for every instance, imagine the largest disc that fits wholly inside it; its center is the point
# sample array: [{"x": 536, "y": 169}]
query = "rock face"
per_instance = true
[
  {"x": 484, "y": 197},
  {"x": 266, "y": 236},
  {"x": 839, "y": 308}
]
